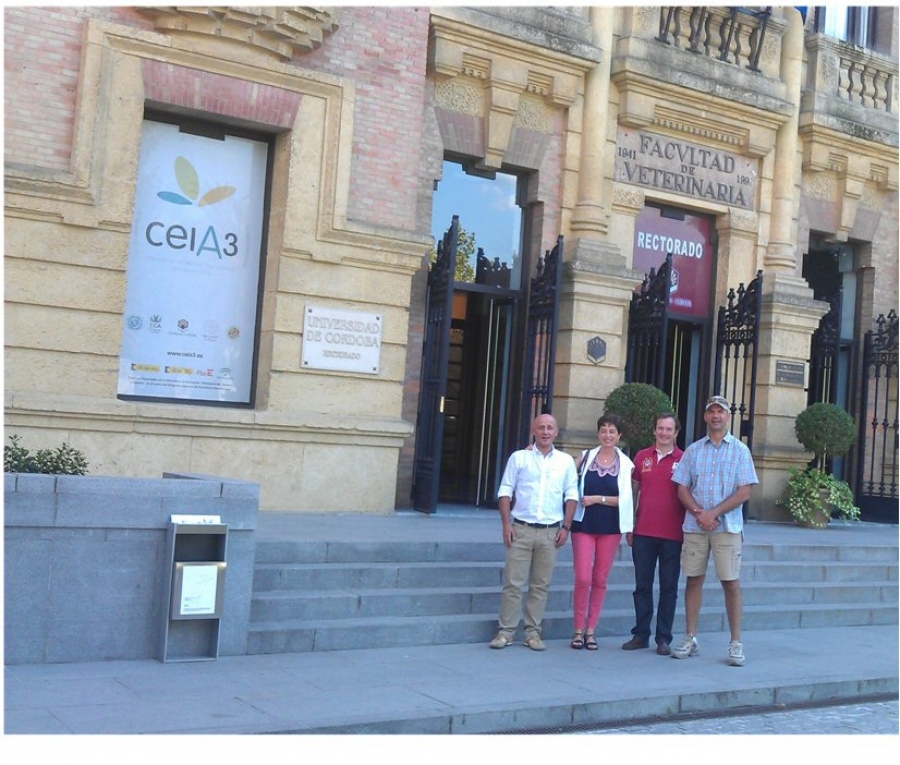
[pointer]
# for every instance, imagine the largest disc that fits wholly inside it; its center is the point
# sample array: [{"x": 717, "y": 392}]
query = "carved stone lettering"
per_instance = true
[{"x": 701, "y": 172}]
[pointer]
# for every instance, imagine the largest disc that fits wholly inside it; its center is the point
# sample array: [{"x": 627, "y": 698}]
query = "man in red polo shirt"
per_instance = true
[{"x": 657, "y": 536}]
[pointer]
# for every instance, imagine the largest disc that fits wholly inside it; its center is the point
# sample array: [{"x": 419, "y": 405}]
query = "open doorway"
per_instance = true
[{"x": 482, "y": 390}]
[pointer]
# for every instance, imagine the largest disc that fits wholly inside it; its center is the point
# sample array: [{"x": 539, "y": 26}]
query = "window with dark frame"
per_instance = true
[{"x": 853, "y": 24}]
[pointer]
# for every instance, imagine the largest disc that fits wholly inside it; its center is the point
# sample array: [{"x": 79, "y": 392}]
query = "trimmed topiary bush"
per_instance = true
[
  {"x": 827, "y": 430},
  {"x": 814, "y": 495},
  {"x": 638, "y": 404}
]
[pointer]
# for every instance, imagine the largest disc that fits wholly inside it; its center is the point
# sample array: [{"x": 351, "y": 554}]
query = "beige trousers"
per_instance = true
[{"x": 530, "y": 561}]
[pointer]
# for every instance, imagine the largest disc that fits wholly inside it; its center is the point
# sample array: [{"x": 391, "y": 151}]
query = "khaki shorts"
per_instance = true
[{"x": 726, "y": 550}]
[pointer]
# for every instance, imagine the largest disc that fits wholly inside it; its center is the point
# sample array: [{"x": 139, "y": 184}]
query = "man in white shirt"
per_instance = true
[{"x": 541, "y": 478}]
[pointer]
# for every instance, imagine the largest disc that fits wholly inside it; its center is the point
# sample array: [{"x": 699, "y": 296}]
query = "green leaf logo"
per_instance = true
[{"x": 189, "y": 183}]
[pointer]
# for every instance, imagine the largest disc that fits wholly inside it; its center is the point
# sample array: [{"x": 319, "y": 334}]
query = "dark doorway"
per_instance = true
[
  {"x": 683, "y": 375},
  {"x": 478, "y": 400},
  {"x": 829, "y": 271}
]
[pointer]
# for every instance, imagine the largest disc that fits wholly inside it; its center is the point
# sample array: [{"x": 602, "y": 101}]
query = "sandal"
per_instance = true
[
  {"x": 590, "y": 642},
  {"x": 577, "y": 641}
]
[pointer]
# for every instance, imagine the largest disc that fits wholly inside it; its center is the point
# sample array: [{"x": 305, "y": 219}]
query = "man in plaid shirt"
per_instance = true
[{"x": 714, "y": 478}]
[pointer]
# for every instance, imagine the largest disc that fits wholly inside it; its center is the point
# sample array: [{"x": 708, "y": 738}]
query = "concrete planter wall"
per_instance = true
[{"x": 85, "y": 557}]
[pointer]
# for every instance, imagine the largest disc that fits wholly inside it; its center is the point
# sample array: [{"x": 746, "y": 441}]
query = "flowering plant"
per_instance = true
[{"x": 812, "y": 495}]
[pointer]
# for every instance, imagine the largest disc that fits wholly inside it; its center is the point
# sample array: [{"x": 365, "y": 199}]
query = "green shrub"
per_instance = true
[
  {"x": 827, "y": 430},
  {"x": 64, "y": 460},
  {"x": 638, "y": 404}
]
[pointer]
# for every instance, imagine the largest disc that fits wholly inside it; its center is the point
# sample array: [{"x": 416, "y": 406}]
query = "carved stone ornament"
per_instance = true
[
  {"x": 623, "y": 197},
  {"x": 822, "y": 186},
  {"x": 534, "y": 115},
  {"x": 281, "y": 30},
  {"x": 459, "y": 96},
  {"x": 870, "y": 199}
]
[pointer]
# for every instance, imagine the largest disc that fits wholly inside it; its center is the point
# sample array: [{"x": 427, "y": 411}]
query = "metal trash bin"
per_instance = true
[{"x": 193, "y": 588}]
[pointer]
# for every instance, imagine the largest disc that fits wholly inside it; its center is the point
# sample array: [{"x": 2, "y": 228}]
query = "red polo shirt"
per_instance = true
[{"x": 660, "y": 514}]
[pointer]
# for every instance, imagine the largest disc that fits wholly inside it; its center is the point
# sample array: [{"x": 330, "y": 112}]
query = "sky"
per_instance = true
[{"x": 486, "y": 208}]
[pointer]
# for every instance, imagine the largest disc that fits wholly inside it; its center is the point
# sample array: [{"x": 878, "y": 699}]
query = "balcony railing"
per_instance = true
[
  {"x": 733, "y": 35},
  {"x": 852, "y": 75},
  {"x": 863, "y": 80}
]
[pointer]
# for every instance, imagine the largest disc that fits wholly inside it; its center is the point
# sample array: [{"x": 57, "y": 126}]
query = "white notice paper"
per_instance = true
[{"x": 198, "y": 589}]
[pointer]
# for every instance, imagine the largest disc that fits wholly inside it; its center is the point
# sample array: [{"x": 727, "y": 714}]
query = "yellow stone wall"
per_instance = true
[{"x": 316, "y": 440}]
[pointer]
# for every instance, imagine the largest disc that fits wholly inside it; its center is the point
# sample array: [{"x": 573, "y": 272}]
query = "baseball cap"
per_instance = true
[{"x": 718, "y": 401}]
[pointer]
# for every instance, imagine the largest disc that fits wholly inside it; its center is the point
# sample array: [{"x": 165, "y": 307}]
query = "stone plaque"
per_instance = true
[
  {"x": 790, "y": 373},
  {"x": 344, "y": 341},
  {"x": 693, "y": 170}
]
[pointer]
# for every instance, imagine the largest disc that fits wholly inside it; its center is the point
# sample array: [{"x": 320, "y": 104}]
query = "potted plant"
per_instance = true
[
  {"x": 638, "y": 404},
  {"x": 813, "y": 495}
]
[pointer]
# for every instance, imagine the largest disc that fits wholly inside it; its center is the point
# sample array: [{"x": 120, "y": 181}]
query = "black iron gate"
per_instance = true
[
  {"x": 823, "y": 354},
  {"x": 737, "y": 349},
  {"x": 430, "y": 420},
  {"x": 648, "y": 330},
  {"x": 876, "y": 489},
  {"x": 540, "y": 339}
]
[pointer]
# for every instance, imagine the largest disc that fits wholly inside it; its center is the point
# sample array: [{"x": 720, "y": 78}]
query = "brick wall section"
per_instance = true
[
  {"x": 219, "y": 95},
  {"x": 383, "y": 50},
  {"x": 42, "y": 50}
]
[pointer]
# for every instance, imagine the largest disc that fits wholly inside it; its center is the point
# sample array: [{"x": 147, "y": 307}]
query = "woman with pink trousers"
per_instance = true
[{"x": 605, "y": 512}]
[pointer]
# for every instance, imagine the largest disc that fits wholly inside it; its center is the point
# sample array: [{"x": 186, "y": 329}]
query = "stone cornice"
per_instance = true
[
  {"x": 280, "y": 31},
  {"x": 826, "y": 150}
]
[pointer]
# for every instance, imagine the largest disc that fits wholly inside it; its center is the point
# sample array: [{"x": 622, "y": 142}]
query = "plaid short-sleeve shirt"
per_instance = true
[{"x": 713, "y": 473}]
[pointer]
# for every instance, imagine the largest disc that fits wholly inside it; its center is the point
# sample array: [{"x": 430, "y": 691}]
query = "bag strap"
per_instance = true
[{"x": 581, "y": 469}]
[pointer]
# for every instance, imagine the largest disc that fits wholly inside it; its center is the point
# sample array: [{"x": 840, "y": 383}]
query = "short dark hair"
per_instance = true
[
  {"x": 612, "y": 419},
  {"x": 670, "y": 415}
]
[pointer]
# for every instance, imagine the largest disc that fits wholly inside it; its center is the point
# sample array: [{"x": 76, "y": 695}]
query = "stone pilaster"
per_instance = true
[
  {"x": 592, "y": 341},
  {"x": 591, "y": 215},
  {"x": 781, "y": 253},
  {"x": 789, "y": 317}
]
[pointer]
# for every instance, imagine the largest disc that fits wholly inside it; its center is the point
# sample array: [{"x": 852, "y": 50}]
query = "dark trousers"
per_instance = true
[{"x": 646, "y": 552}]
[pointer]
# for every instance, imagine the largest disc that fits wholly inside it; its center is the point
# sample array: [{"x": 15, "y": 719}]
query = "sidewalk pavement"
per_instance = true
[
  {"x": 453, "y": 689},
  {"x": 465, "y": 688}
]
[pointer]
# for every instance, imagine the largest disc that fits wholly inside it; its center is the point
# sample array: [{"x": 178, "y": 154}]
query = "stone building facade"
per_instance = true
[{"x": 629, "y": 131}]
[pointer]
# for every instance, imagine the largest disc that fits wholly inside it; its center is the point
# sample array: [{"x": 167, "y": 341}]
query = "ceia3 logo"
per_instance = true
[{"x": 177, "y": 236}]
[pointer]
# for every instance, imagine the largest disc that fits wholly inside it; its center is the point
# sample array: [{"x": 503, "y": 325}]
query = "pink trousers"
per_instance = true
[{"x": 593, "y": 555}]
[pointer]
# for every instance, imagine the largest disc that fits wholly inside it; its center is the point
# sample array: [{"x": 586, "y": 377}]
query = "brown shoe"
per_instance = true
[
  {"x": 635, "y": 643},
  {"x": 663, "y": 649}
]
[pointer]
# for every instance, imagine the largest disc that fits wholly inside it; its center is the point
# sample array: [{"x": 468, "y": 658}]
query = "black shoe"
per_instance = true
[
  {"x": 663, "y": 649},
  {"x": 635, "y": 643}
]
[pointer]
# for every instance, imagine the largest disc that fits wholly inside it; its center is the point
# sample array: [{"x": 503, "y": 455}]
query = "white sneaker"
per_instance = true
[
  {"x": 687, "y": 647},
  {"x": 736, "y": 654}
]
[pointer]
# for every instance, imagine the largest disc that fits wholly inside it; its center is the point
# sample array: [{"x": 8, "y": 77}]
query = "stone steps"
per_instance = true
[{"x": 337, "y": 596}]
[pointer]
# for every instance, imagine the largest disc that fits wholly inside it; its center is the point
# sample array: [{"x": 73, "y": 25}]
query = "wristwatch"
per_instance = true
[{"x": 567, "y": 528}]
